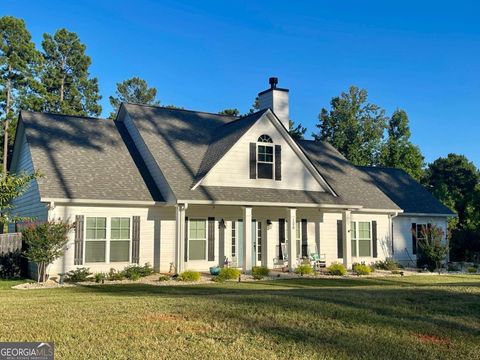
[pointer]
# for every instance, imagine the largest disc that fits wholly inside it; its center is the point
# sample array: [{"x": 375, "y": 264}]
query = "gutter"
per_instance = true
[{"x": 101, "y": 202}]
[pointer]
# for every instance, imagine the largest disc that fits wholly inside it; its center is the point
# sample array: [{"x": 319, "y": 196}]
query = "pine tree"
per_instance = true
[
  {"x": 296, "y": 132},
  {"x": 231, "y": 112},
  {"x": 19, "y": 61},
  {"x": 69, "y": 87},
  {"x": 134, "y": 90}
]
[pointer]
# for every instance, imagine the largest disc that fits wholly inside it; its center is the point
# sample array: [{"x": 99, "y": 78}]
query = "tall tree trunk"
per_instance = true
[{"x": 7, "y": 123}]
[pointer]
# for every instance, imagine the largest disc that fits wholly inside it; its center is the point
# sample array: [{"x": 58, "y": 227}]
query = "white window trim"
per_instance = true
[
  {"x": 271, "y": 145},
  {"x": 107, "y": 240},
  {"x": 357, "y": 239},
  {"x": 206, "y": 239},
  {"x": 130, "y": 234}
]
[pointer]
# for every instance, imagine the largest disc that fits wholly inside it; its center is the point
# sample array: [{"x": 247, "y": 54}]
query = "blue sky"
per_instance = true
[{"x": 422, "y": 56}]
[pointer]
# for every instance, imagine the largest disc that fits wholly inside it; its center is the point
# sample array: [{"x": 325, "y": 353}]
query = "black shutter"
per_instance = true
[
  {"x": 136, "y": 239},
  {"x": 211, "y": 239},
  {"x": 374, "y": 239},
  {"x": 78, "y": 248},
  {"x": 304, "y": 238},
  {"x": 414, "y": 238},
  {"x": 281, "y": 237},
  {"x": 339, "y": 239},
  {"x": 253, "y": 160},
  {"x": 278, "y": 162},
  {"x": 221, "y": 243},
  {"x": 185, "y": 255}
]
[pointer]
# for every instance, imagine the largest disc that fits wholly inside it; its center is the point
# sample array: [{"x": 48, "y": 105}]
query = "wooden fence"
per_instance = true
[{"x": 10, "y": 242}]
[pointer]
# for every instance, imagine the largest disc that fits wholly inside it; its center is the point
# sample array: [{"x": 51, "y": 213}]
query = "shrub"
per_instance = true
[
  {"x": 189, "y": 275},
  {"x": 79, "y": 275},
  {"x": 453, "y": 267},
  {"x": 115, "y": 275},
  {"x": 229, "y": 273},
  {"x": 164, "y": 278},
  {"x": 337, "y": 269},
  {"x": 133, "y": 272},
  {"x": 361, "y": 269},
  {"x": 259, "y": 272},
  {"x": 99, "y": 277},
  {"x": 387, "y": 264},
  {"x": 472, "y": 270},
  {"x": 303, "y": 269},
  {"x": 146, "y": 270},
  {"x": 11, "y": 265}
]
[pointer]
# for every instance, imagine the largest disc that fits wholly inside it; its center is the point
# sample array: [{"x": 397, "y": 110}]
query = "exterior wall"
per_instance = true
[
  {"x": 233, "y": 168},
  {"x": 402, "y": 236},
  {"x": 28, "y": 204}
]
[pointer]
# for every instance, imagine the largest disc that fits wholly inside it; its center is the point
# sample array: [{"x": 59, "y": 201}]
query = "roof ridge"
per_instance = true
[
  {"x": 186, "y": 110},
  {"x": 65, "y": 115}
]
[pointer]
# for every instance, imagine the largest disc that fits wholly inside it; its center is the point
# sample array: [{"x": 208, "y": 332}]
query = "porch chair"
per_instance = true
[{"x": 318, "y": 261}]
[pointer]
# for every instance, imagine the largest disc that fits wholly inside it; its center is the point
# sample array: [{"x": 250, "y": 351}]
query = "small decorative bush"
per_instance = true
[
  {"x": 304, "y": 269},
  {"x": 453, "y": 267},
  {"x": 114, "y": 275},
  {"x": 387, "y": 264},
  {"x": 10, "y": 265},
  {"x": 361, "y": 269},
  {"x": 133, "y": 272},
  {"x": 229, "y": 273},
  {"x": 337, "y": 269},
  {"x": 79, "y": 275},
  {"x": 189, "y": 275},
  {"x": 164, "y": 278},
  {"x": 259, "y": 272},
  {"x": 99, "y": 277},
  {"x": 472, "y": 270},
  {"x": 146, "y": 270}
]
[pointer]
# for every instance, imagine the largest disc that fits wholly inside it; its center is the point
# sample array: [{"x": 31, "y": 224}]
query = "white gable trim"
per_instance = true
[{"x": 293, "y": 145}]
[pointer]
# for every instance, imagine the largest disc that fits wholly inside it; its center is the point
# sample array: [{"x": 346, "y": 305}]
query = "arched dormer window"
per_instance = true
[{"x": 265, "y": 157}]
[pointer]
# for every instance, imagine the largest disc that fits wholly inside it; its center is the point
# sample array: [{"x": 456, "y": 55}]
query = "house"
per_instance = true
[
  {"x": 189, "y": 190},
  {"x": 420, "y": 208}
]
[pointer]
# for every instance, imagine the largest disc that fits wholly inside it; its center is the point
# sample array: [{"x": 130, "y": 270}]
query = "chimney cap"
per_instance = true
[{"x": 273, "y": 81}]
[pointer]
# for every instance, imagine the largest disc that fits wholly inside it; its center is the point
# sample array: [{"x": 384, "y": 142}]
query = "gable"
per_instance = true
[{"x": 234, "y": 168}]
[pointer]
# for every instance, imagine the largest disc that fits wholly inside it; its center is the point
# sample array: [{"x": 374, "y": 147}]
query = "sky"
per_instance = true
[{"x": 421, "y": 56}]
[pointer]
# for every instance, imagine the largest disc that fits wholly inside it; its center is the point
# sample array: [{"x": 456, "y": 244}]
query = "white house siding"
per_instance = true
[
  {"x": 402, "y": 235},
  {"x": 28, "y": 204},
  {"x": 233, "y": 168}
]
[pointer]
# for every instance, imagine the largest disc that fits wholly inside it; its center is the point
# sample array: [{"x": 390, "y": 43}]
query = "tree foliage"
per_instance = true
[
  {"x": 296, "y": 132},
  {"x": 45, "y": 243},
  {"x": 69, "y": 89},
  {"x": 19, "y": 63},
  {"x": 398, "y": 151},
  {"x": 134, "y": 90},
  {"x": 231, "y": 112},
  {"x": 434, "y": 245},
  {"x": 353, "y": 126},
  {"x": 11, "y": 187}
]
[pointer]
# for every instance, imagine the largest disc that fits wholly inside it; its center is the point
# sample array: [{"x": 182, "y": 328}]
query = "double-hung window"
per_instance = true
[
  {"x": 361, "y": 238},
  {"x": 120, "y": 239},
  {"x": 96, "y": 239},
  {"x": 265, "y": 157},
  {"x": 197, "y": 239}
]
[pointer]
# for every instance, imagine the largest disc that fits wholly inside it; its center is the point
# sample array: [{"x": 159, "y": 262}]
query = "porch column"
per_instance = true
[
  {"x": 180, "y": 237},
  {"x": 247, "y": 235},
  {"x": 347, "y": 238},
  {"x": 291, "y": 236}
]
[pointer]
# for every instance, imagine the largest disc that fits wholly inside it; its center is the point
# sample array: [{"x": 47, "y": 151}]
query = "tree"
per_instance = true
[
  {"x": 433, "y": 245},
  {"x": 296, "y": 132},
  {"x": 454, "y": 180},
  {"x": 353, "y": 126},
  {"x": 69, "y": 88},
  {"x": 45, "y": 243},
  {"x": 255, "y": 106},
  {"x": 19, "y": 61},
  {"x": 231, "y": 112},
  {"x": 134, "y": 90},
  {"x": 11, "y": 187},
  {"x": 398, "y": 151}
]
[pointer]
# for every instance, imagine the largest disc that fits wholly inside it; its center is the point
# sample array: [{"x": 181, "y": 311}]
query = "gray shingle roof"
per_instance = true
[
  {"x": 353, "y": 186},
  {"x": 86, "y": 158},
  {"x": 407, "y": 193}
]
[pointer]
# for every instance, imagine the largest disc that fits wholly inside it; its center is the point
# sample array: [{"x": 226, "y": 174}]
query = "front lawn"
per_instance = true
[{"x": 417, "y": 317}]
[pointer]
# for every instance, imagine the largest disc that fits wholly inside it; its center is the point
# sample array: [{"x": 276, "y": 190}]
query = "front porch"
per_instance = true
[{"x": 247, "y": 236}]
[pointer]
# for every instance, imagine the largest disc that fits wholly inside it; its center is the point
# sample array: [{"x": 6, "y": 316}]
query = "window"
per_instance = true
[
  {"x": 265, "y": 157},
  {"x": 96, "y": 239},
  {"x": 234, "y": 239},
  {"x": 361, "y": 238},
  {"x": 120, "y": 239},
  {"x": 298, "y": 238},
  {"x": 197, "y": 239},
  {"x": 420, "y": 235}
]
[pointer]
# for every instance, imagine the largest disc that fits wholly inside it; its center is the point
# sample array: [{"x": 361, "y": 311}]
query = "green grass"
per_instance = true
[{"x": 418, "y": 317}]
